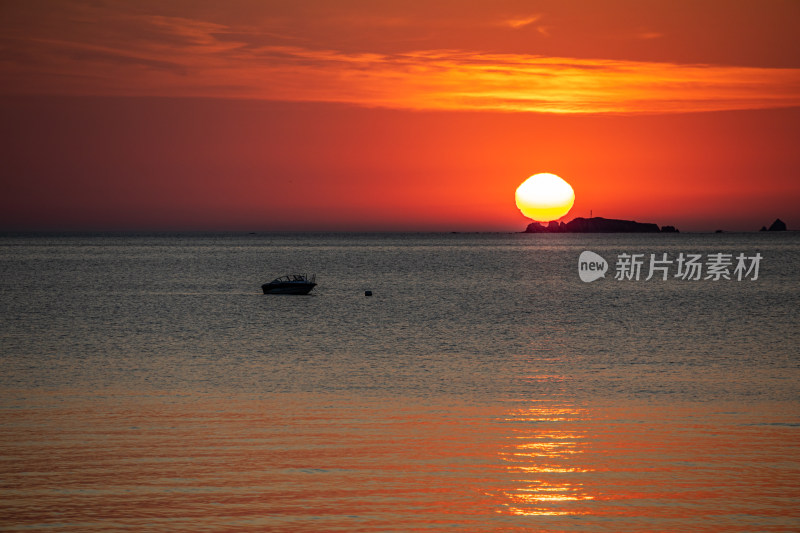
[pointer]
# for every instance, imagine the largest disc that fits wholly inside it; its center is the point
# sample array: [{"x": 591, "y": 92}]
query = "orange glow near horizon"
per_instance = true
[{"x": 544, "y": 197}]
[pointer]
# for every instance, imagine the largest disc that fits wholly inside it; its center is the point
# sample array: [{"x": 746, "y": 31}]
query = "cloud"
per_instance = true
[
  {"x": 521, "y": 22},
  {"x": 179, "y": 57}
]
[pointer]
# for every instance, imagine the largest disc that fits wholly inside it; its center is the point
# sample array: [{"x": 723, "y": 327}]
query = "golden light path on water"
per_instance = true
[{"x": 539, "y": 457}]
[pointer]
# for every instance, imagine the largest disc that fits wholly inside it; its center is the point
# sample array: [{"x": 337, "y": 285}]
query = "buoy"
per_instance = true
[{"x": 367, "y": 293}]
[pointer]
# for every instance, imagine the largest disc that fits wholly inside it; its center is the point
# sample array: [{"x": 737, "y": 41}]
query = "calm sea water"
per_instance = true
[{"x": 148, "y": 385}]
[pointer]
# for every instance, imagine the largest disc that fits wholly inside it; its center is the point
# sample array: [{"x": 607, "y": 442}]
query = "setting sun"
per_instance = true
[{"x": 544, "y": 197}]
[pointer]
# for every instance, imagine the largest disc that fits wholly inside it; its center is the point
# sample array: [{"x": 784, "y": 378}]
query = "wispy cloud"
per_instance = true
[
  {"x": 521, "y": 22},
  {"x": 186, "y": 58}
]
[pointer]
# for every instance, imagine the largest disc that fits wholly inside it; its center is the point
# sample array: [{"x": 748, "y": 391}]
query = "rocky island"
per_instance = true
[
  {"x": 778, "y": 225},
  {"x": 598, "y": 225}
]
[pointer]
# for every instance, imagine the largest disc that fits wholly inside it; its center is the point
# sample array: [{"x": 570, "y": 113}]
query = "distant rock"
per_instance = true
[
  {"x": 552, "y": 227},
  {"x": 778, "y": 225},
  {"x": 763, "y": 228},
  {"x": 597, "y": 225},
  {"x": 669, "y": 229}
]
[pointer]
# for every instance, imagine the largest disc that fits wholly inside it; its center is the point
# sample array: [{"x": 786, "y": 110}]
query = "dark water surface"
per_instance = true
[{"x": 147, "y": 385}]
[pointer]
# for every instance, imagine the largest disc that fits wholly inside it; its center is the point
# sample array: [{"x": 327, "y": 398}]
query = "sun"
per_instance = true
[{"x": 544, "y": 197}]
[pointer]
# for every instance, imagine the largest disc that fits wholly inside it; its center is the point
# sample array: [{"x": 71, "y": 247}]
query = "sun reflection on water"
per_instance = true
[{"x": 544, "y": 455}]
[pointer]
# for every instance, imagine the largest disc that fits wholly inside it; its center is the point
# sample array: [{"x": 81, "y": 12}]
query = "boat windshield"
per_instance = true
[{"x": 290, "y": 278}]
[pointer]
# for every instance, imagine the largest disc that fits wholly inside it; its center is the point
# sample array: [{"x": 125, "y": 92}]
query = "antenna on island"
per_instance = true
[{"x": 590, "y": 213}]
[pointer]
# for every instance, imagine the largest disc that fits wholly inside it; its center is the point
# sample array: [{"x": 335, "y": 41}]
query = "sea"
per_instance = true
[{"x": 147, "y": 384}]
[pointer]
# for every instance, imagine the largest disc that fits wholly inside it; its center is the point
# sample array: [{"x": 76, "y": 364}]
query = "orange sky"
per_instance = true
[{"x": 267, "y": 115}]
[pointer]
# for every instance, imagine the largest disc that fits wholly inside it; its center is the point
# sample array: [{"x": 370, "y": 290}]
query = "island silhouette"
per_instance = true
[
  {"x": 778, "y": 225},
  {"x": 598, "y": 225},
  {"x": 613, "y": 225}
]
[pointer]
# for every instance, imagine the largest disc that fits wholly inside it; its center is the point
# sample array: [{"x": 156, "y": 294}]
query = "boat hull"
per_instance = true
[{"x": 288, "y": 288}]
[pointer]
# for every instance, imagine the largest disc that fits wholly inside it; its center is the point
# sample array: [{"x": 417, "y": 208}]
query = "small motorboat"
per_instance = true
[{"x": 290, "y": 284}]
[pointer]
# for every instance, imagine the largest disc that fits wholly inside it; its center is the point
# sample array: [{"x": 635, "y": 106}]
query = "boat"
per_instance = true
[{"x": 290, "y": 284}]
